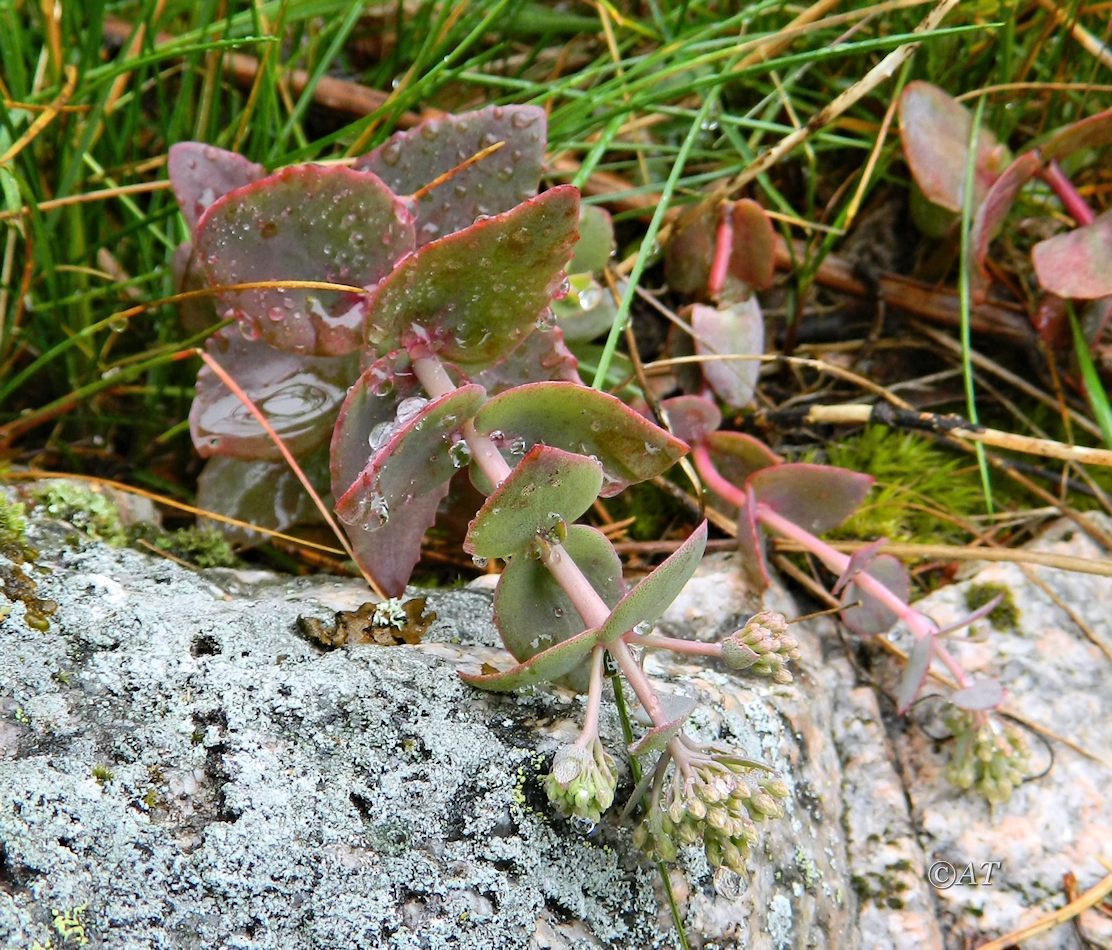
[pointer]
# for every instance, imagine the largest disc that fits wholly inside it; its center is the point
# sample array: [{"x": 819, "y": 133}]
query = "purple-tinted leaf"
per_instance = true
[
  {"x": 935, "y": 130},
  {"x": 914, "y": 674},
  {"x": 1094, "y": 131},
  {"x": 737, "y": 456},
  {"x": 587, "y": 311},
  {"x": 751, "y": 546},
  {"x": 817, "y": 498},
  {"x": 994, "y": 209},
  {"x": 476, "y": 294},
  {"x": 654, "y": 593},
  {"x": 370, "y": 405},
  {"x": 583, "y": 420},
  {"x": 982, "y": 694},
  {"x": 533, "y": 613},
  {"x": 197, "y": 313},
  {"x": 304, "y": 223},
  {"x": 596, "y": 241},
  {"x": 546, "y": 487},
  {"x": 858, "y": 561},
  {"x": 542, "y": 357},
  {"x": 983, "y": 611},
  {"x": 409, "y": 160},
  {"x": 690, "y": 250},
  {"x": 553, "y": 663},
  {"x": 1078, "y": 263},
  {"x": 870, "y": 617},
  {"x": 692, "y": 418},
  {"x": 298, "y": 395},
  {"x": 734, "y": 329},
  {"x": 200, "y": 174},
  {"x": 659, "y": 736},
  {"x": 266, "y": 494},
  {"x": 393, "y": 501},
  {"x": 753, "y": 255}
]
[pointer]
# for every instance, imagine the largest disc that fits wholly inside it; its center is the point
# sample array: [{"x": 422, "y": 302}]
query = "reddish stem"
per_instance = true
[
  {"x": 723, "y": 248},
  {"x": 1053, "y": 175}
]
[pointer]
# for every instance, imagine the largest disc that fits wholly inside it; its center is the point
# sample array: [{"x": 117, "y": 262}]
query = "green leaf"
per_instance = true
[
  {"x": 587, "y": 421},
  {"x": 652, "y": 596},
  {"x": 547, "y": 487},
  {"x": 596, "y": 241},
  {"x": 679, "y": 709},
  {"x": 304, "y": 223},
  {"x": 553, "y": 663},
  {"x": 533, "y": 613},
  {"x": 474, "y": 295}
]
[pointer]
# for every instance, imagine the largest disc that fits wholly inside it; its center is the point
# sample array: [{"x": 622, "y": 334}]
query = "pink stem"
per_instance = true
[
  {"x": 1053, "y": 175},
  {"x": 714, "y": 479},
  {"x": 676, "y": 645},
  {"x": 723, "y": 247},
  {"x": 919, "y": 624},
  {"x": 594, "y": 698}
]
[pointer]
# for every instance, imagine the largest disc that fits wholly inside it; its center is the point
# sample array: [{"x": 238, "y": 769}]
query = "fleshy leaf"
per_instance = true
[
  {"x": 305, "y": 222},
  {"x": 266, "y": 494},
  {"x": 587, "y": 421},
  {"x": 596, "y": 241},
  {"x": 299, "y": 395},
  {"x": 994, "y": 209},
  {"x": 935, "y": 130},
  {"x": 546, "y": 487},
  {"x": 818, "y": 498},
  {"x": 737, "y": 455},
  {"x": 690, "y": 250},
  {"x": 542, "y": 356},
  {"x": 858, "y": 561},
  {"x": 914, "y": 674},
  {"x": 197, "y": 313},
  {"x": 531, "y": 610},
  {"x": 200, "y": 174},
  {"x": 735, "y": 328},
  {"x": 476, "y": 294},
  {"x": 870, "y": 617},
  {"x": 1077, "y": 264},
  {"x": 751, "y": 545},
  {"x": 982, "y": 694},
  {"x": 753, "y": 255},
  {"x": 370, "y": 405},
  {"x": 393, "y": 501},
  {"x": 587, "y": 311},
  {"x": 654, "y": 593},
  {"x": 692, "y": 418},
  {"x": 681, "y": 708},
  {"x": 1094, "y": 131},
  {"x": 552, "y": 664},
  {"x": 409, "y": 160}
]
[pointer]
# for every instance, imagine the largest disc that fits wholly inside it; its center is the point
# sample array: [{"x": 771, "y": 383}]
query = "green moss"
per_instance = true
[
  {"x": 1005, "y": 616},
  {"x": 13, "y": 530},
  {"x": 201, "y": 547},
  {"x": 914, "y": 479},
  {"x": 86, "y": 509},
  {"x": 103, "y": 774}
]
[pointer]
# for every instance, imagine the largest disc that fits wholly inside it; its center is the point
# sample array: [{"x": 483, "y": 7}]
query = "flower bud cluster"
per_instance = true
[
  {"x": 763, "y": 646},
  {"x": 988, "y": 756},
  {"x": 715, "y": 805},
  {"x": 582, "y": 781}
]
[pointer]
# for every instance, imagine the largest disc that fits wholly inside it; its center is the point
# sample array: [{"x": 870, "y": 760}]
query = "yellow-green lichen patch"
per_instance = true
[{"x": 88, "y": 510}]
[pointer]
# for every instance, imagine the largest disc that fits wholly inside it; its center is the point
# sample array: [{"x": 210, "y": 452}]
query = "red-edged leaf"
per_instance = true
[
  {"x": 586, "y": 421},
  {"x": 982, "y": 694},
  {"x": 692, "y": 418},
  {"x": 1078, "y": 263},
  {"x": 533, "y": 613},
  {"x": 304, "y": 223},
  {"x": 818, "y": 498},
  {"x": 546, "y": 487},
  {"x": 994, "y": 209},
  {"x": 473, "y": 296},
  {"x": 858, "y": 561},
  {"x": 299, "y": 395},
  {"x": 200, "y": 174},
  {"x": 737, "y": 456},
  {"x": 690, "y": 250},
  {"x": 753, "y": 257},
  {"x": 654, "y": 593},
  {"x": 409, "y": 160},
  {"x": 935, "y": 131},
  {"x": 914, "y": 674},
  {"x": 542, "y": 357},
  {"x": 552, "y": 664},
  {"x": 370, "y": 407},
  {"x": 870, "y": 617},
  {"x": 734, "y": 329},
  {"x": 751, "y": 546},
  {"x": 197, "y": 313},
  {"x": 1094, "y": 131}
]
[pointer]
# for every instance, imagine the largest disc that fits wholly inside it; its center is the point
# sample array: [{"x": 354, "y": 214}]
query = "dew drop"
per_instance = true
[
  {"x": 459, "y": 453},
  {"x": 117, "y": 324},
  {"x": 546, "y": 320},
  {"x": 498, "y": 435},
  {"x": 380, "y": 435},
  {"x": 643, "y": 629},
  {"x": 391, "y": 152},
  {"x": 480, "y": 562},
  {"x": 583, "y": 826},
  {"x": 518, "y": 447},
  {"x": 275, "y": 314},
  {"x": 248, "y": 331},
  {"x": 522, "y": 120},
  {"x": 557, "y": 612},
  {"x": 408, "y": 408},
  {"x": 596, "y": 425},
  {"x": 379, "y": 511},
  {"x": 590, "y": 298}
]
